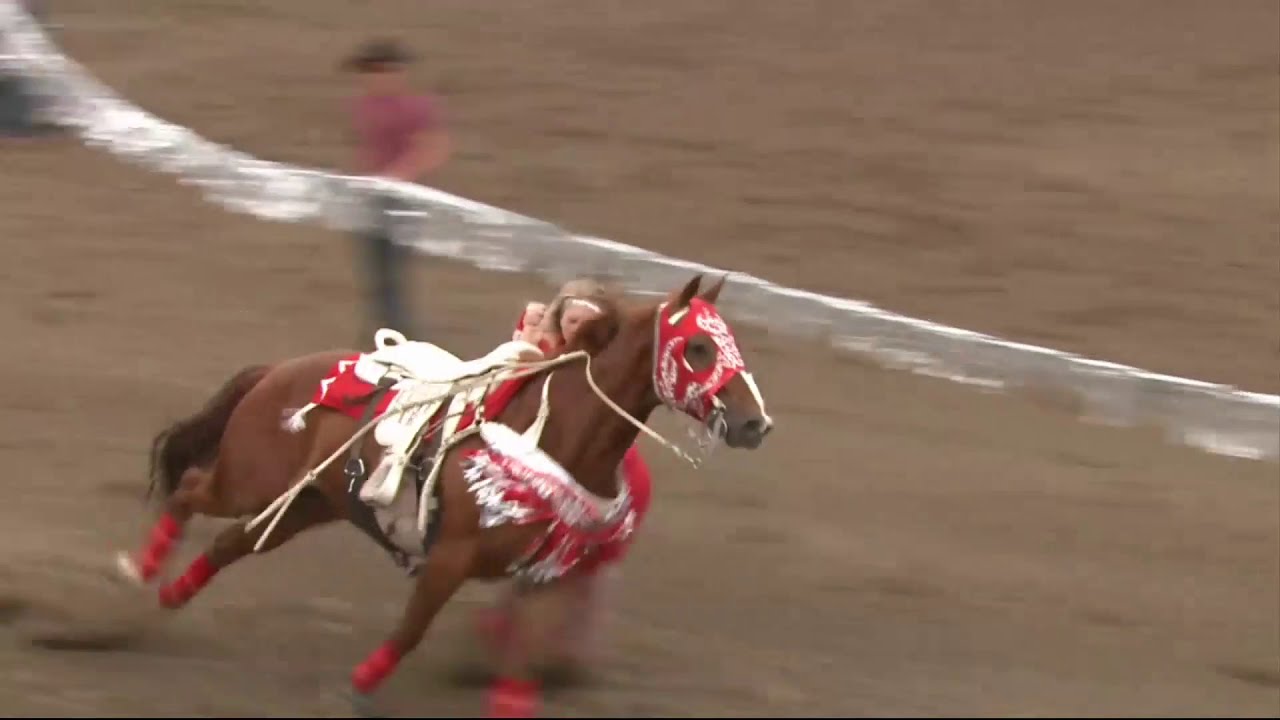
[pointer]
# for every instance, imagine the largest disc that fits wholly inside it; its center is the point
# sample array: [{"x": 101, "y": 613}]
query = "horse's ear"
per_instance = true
[
  {"x": 681, "y": 299},
  {"x": 712, "y": 293}
]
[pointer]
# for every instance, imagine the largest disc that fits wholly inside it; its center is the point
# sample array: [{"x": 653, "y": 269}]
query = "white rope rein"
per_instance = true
[
  {"x": 639, "y": 425},
  {"x": 280, "y": 505}
]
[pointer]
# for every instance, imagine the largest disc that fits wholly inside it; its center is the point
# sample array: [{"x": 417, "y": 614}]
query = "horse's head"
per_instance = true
[{"x": 698, "y": 369}]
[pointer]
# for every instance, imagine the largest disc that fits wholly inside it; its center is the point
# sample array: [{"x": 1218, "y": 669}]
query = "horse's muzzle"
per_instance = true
[{"x": 748, "y": 434}]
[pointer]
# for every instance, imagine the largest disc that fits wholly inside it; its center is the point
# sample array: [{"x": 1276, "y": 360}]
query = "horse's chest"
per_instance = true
[{"x": 503, "y": 548}]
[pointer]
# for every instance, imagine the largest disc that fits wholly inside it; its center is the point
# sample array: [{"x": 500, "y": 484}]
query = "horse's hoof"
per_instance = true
[
  {"x": 362, "y": 705},
  {"x": 128, "y": 569},
  {"x": 513, "y": 699}
]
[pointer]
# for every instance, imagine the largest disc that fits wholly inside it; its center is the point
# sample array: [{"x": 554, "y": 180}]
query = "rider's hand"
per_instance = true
[
  {"x": 533, "y": 313},
  {"x": 528, "y": 329}
]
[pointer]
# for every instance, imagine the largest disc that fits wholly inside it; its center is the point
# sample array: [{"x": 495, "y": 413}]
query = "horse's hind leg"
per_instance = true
[
  {"x": 181, "y": 456},
  {"x": 191, "y": 496},
  {"x": 310, "y": 509}
]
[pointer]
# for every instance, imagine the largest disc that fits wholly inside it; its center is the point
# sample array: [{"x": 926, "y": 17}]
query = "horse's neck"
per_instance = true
[{"x": 583, "y": 434}]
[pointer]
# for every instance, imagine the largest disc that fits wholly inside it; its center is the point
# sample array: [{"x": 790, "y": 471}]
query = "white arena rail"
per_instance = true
[{"x": 1217, "y": 418}]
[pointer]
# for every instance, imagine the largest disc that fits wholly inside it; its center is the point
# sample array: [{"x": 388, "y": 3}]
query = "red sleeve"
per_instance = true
[
  {"x": 520, "y": 322},
  {"x": 543, "y": 343}
]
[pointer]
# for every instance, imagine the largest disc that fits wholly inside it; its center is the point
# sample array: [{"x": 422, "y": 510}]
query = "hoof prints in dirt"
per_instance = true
[
  {"x": 56, "y": 607},
  {"x": 1252, "y": 675},
  {"x": 80, "y": 635},
  {"x": 11, "y": 609},
  {"x": 552, "y": 676}
]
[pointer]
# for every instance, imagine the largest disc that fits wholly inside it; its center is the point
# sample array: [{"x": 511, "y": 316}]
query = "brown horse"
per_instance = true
[{"x": 234, "y": 457}]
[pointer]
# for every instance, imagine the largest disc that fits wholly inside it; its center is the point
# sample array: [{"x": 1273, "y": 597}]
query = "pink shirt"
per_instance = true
[{"x": 385, "y": 126}]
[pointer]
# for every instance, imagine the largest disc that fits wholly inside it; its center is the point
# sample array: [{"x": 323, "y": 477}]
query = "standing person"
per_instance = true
[
  {"x": 37, "y": 9},
  {"x": 20, "y": 107},
  {"x": 399, "y": 135}
]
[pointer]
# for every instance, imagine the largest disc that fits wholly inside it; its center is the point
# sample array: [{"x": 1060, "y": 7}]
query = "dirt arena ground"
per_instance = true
[{"x": 1099, "y": 177}]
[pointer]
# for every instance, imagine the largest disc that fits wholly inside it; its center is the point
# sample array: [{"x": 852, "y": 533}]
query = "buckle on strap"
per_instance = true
[{"x": 355, "y": 468}]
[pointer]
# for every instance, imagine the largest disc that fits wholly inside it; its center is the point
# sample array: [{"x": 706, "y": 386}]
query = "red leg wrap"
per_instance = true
[
  {"x": 375, "y": 669},
  {"x": 163, "y": 536},
  {"x": 513, "y": 699},
  {"x": 180, "y": 591}
]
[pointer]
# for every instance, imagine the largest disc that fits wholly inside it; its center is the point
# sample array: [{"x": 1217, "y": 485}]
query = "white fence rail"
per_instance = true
[{"x": 1214, "y": 417}]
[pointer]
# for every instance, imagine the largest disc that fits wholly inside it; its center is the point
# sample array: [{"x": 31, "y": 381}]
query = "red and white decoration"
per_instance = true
[
  {"x": 677, "y": 384},
  {"x": 514, "y": 483}
]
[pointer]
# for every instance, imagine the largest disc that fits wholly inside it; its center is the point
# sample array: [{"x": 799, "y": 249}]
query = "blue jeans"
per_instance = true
[{"x": 385, "y": 264}]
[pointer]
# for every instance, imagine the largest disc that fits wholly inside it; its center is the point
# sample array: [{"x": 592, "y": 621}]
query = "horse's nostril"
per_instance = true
[{"x": 756, "y": 426}]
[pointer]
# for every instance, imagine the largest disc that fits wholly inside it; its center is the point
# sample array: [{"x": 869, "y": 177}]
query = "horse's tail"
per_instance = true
[{"x": 194, "y": 440}]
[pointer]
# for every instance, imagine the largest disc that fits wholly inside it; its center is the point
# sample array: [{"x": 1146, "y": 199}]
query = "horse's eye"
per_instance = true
[{"x": 700, "y": 354}]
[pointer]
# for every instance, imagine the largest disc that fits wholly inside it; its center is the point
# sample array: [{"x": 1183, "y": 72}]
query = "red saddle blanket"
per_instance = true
[{"x": 344, "y": 391}]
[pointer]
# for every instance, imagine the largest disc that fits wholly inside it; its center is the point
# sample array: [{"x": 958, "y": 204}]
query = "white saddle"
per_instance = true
[
  {"x": 425, "y": 376},
  {"x": 402, "y": 359}
]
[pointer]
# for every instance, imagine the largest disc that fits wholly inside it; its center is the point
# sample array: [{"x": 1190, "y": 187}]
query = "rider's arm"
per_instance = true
[{"x": 528, "y": 323}]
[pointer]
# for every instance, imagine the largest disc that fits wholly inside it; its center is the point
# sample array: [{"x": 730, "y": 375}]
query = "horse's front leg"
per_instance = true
[
  {"x": 444, "y": 570},
  {"x": 535, "y": 614}
]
